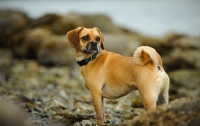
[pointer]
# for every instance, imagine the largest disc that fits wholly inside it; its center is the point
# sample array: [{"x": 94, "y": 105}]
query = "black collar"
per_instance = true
[{"x": 86, "y": 61}]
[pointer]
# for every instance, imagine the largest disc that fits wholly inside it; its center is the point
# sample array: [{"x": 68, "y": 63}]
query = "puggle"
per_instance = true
[{"x": 110, "y": 75}]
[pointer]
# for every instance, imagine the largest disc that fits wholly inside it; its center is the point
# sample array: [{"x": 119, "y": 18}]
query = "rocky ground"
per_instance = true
[
  {"x": 39, "y": 80},
  {"x": 55, "y": 94}
]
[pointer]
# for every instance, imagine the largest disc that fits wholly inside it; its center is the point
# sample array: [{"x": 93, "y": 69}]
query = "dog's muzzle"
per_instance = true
[{"x": 92, "y": 47}]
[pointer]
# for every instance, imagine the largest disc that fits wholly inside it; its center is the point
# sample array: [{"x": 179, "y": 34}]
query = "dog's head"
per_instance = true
[{"x": 88, "y": 41}]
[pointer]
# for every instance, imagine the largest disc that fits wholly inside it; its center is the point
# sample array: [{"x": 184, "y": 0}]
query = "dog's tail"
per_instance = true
[{"x": 145, "y": 55}]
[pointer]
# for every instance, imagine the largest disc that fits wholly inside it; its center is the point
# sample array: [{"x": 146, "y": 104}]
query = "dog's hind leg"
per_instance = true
[
  {"x": 149, "y": 97},
  {"x": 162, "y": 98},
  {"x": 164, "y": 94}
]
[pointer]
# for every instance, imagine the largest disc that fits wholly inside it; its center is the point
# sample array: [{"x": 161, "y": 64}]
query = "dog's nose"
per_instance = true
[{"x": 93, "y": 44}]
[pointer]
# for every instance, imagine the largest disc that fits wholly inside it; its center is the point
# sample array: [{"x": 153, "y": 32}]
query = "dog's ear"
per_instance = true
[
  {"x": 73, "y": 36},
  {"x": 102, "y": 38}
]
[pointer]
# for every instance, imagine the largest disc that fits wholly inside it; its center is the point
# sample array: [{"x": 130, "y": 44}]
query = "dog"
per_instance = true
[{"x": 110, "y": 75}]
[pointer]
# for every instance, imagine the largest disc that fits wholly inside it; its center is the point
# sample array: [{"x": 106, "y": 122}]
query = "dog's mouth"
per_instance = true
[{"x": 92, "y": 48}]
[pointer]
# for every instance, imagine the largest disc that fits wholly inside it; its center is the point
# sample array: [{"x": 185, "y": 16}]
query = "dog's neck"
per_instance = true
[
  {"x": 82, "y": 56},
  {"x": 84, "y": 59}
]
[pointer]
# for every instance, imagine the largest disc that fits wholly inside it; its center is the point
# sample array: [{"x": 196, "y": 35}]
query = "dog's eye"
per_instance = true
[
  {"x": 97, "y": 38},
  {"x": 85, "y": 38}
]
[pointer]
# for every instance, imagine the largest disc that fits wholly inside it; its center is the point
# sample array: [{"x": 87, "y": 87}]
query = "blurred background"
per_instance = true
[
  {"x": 37, "y": 68},
  {"x": 152, "y": 17}
]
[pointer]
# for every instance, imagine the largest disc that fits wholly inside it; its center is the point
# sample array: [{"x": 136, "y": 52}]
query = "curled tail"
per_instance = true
[{"x": 145, "y": 54}]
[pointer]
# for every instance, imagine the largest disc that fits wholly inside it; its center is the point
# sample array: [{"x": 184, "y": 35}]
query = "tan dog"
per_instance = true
[{"x": 110, "y": 75}]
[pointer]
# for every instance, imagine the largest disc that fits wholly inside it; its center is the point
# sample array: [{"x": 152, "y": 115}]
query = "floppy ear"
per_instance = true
[
  {"x": 102, "y": 38},
  {"x": 73, "y": 36}
]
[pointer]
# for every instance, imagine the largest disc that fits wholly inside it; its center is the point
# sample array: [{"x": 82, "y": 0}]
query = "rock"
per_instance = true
[
  {"x": 67, "y": 22},
  {"x": 59, "y": 24},
  {"x": 171, "y": 37},
  {"x": 46, "y": 20},
  {"x": 118, "y": 43},
  {"x": 183, "y": 41},
  {"x": 41, "y": 44},
  {"x": 186, "y": 78},
  {"x": 182, "y": 59},
  {"x": 180, "y": 112},
  {"x": 126, "y": 44},
  {"x": 101, "y": 21},
  {"x": 85, "y": 123},
  {"x": 5, "y": 64},
  {"x": 181, "y": 52},
  {"x": 194, "y": 122},
  {"x": 27, "y": 43},
  {"x": 188, "y": 42},
  {"x": 156, "y": 42},
  {"x": 185, "y": 82},
  {"x": 55, "y": 50},
  {"x": 11, "y": 22}
]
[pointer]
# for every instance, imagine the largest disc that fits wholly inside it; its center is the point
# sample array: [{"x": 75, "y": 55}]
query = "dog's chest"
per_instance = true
[{"x": 82, "y": 79}]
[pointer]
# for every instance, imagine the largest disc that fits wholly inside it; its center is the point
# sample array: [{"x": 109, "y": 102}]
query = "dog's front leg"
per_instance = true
[{"x": 98, "y": 105}]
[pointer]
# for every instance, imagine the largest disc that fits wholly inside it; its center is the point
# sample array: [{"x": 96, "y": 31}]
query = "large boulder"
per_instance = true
[
  {"x": 58, "y": 24},
  {"x": 61, "y": 24},
  {"x": 11, "y": 22},
  {"x": 43, "y": 45},
  {"x": 101, "y": 21},
  {"x": 27, "y": 43},
  {"x": 55, "y": 50}
]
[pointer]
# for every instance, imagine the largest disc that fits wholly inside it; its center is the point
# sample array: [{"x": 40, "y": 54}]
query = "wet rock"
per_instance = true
[
  {"x": 11, "y": 22},
  {"x": 179, "y": 112}
]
